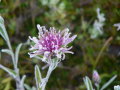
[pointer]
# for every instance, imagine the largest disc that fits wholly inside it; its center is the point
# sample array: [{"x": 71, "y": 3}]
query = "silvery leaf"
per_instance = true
[
  {"x": 3, "y": 32},
  {"x": 23, "y": 79},
  {"x": 10, "y": 71},
  {"x": 38, "y": 77},
  {"x": 17, "y": 52},
  {"x": 29, "y": 88},
  {"x": 88, "y": 83},
  {"x": 7, "y": 51}
]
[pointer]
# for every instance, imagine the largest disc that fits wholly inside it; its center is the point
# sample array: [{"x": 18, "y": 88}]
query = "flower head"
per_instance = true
[{"x": 51, "y": 43}]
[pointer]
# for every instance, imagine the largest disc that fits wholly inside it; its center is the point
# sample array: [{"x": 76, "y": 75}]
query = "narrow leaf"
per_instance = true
[
  {"x": 3, "y": 29},
  {"x": 38, "y": 77},
  {"x": 108, "y": 83},
  {"x": 3, "y": 32},
  {"x": 7, "y": 87},
  {"x": 88, "y": 83},
  {"x": 10, "y": 71},
  {"x": 17, "y": 52},
  {"x": 23, "y": 79},
  {"x": 27, "y": 87},
  {"x": 33, "y": 88},
  {"x": 7, "y": 51}
]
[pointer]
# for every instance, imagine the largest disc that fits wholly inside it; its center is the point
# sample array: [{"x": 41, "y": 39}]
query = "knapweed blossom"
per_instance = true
[{"x": 51, "y": 43}]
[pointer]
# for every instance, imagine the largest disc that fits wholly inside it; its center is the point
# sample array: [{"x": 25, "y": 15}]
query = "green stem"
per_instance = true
[
  {"x": 52, "y": 66},
  {"x": 101, "y": 51},
  {"x": 47, "y": 76},
  {"x": 98, "y": 87}
]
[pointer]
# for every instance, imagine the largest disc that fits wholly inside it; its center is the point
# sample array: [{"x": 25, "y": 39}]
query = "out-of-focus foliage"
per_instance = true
[
  {"x": 101, "y": 53},
  {"x": 89, "y": 85}
]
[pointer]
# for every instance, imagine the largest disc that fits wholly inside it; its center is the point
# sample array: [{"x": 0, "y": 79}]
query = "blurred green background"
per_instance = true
[{"x": 21, "y": 17}]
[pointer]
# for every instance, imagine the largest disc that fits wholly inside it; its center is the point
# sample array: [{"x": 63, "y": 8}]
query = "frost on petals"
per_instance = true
[{"x": 51, "y": 43}]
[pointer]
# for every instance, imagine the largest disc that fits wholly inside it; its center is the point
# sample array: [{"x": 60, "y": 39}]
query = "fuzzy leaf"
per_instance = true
[
  {"x": 23, "y": 79},
  {"x": 17, "y": 52},
  {"x": 10, "y": 71},
  {"x": 7, "y": 51},
  {"x": 3, "y": 32},
  {"x": 88, "y": 83},
  {"x": 29, "y": 88},
  {"x": 108, "y": 83},
  {"x": 38, "y": 77}
]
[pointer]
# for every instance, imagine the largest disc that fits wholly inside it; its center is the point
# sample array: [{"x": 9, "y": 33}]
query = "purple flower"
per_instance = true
[
  {"x": 51, "y": 43},
  {"x": 96, "y": 77}
]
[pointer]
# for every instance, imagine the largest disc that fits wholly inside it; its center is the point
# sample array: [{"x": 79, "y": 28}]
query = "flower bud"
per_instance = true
[{"x": 96, "y": 77}]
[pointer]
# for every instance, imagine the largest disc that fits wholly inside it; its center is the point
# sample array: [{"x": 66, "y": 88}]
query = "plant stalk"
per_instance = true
[
  {"x": 101, "y": 51},
  {"x": 47, "y": 76},
  {"x": 19, "y": 84},
  {"x": 50, "y": 70}
]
